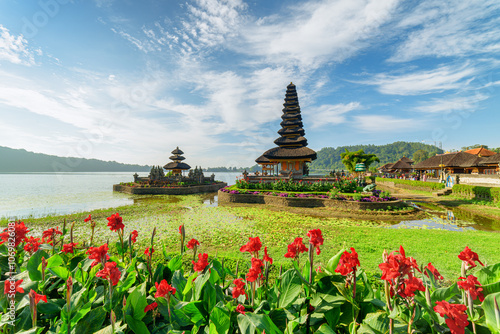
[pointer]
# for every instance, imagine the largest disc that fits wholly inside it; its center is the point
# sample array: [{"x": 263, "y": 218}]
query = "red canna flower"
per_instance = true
[
  {"x": 115, "y": 222},
  {"x": 202, "y": 262},
  {"x": 397, "y": 265},
  {"x": 32, "y": 244},
  {"x": 163, "y": 289},
  {"x": 239, "y": 288},
  {"x": 256, "y": 270},
  {"x": 315, "y": 239},
  {"x": 110, "y": 272},
  {"x": 434, "y": 272},
  {"x": 51, "y": 233},
  {"x": 20, "y": 231},
  {"x": 253, "y": 246},
  {"x": 470, "y": 257},
  {"x": 134, "y": 234},
  {"x": 148, "y": 253},
  {"x": 456, "y": 319},
  {"x": 12, "y": 287},
  {"x": 267, "y": 257},
  {"x": 409, "y": 286},
  {"x": 98, "y": 254},
  {"x": 348, "y": 262},
  {"x": 68, "y": 248},
  {"x": 240, "y": 309},
  {"x": 471, "y": 285},
  {"x": 295, "y": 248},
  {"x": 192, "y": 243},
  {"x": 36, "y": 297},
  {"x": 150, "y": 307},
  {"x": 88, "y": 218}
]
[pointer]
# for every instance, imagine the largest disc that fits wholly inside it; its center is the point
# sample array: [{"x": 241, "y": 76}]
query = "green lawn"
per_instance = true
[{"x": 223, "y": 230}]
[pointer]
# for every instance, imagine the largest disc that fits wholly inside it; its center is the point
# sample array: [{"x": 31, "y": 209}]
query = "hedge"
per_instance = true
[
  {"x": 420, "y": 184},
  {"x": 472, "y": 192}
]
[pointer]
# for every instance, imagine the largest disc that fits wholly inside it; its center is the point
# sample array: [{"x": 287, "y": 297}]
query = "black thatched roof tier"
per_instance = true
[
  {"x": 292, "y": 116},
  {"x": 291, "y": 131},
  {"x": 297, "y": 141},
  {"x": 262, "y": 160},
  {"x": 293, "y": 122},
  {"x": 386, "y": 167},
  {"x": 408, "y": 160},
  {"x": 282, "y": 153},
  {"x": 177, "y": 158},
  {"x": 401, "y": 164},
  {"x": 177, "y": 165},
  {"x": 455, "y": 159},
  {"x": 177, "y": 151},
  {"x": 492, "y": 159}
]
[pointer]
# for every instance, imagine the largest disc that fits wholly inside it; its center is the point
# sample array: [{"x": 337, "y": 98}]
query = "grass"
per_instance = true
[{"x": 223, "y": 230}]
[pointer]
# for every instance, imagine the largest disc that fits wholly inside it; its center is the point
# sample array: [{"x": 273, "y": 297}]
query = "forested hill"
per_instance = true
[
  {"x": 329, "y": 157},
  {"x": 12, "y": 160}
]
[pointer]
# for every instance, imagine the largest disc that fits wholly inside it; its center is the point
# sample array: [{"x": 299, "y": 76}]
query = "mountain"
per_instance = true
[
  {"x": 19, "y": 160},
  {"x": 329, "y": 157}
]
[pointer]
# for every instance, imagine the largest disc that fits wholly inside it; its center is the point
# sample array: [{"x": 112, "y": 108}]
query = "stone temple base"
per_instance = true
[{"x": 169, "y": 191}]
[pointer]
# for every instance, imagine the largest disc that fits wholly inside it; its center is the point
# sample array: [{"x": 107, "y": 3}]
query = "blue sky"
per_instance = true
[{"x": 130, "y": 80}]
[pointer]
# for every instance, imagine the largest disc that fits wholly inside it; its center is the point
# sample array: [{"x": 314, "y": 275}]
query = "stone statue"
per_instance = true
[{"x": 369, "y": 188}]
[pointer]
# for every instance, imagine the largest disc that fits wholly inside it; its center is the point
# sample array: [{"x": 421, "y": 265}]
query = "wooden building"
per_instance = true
[
  {"x": 177, "y": 166},
  {"x": 292, "y": 152}
]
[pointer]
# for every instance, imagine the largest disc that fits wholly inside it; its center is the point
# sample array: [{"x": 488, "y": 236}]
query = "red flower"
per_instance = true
[
  {"x": 134, "y": 234},
  {"x": 50, "y": 234},
  {"x": 348, "y": 262},
  {"x": 472, "y": 285},
  {"x": 163, "y": 289},
  {"x": 434, "y": 272},
  {"x": 240, "y": 309},
  {"x": 68, "y": 248},
  {"x": 36, "y": 297},
  {"x": 192, "y": 243},
  {"x": 88, "y": 218},
  {"x": 239, "y": 288},
  {"x": 253, "y": 246},
  {"x": 409, "y": 286},
  {"x": 267, "y": 257},
  {"x": 468, "y": 256},
  {"x": 202, "y": 262},
  {"x": 315, "y": 239},
  {"x": 150, "y": 307},
  {"x": 115, "y": 222},
  {"x": 98, "y": 254},
  {"x": 397, "y": 265},
  {"x": 149, "y": 253},
  {"x": 295, "y": 248},
  {"x": 32, "y": 244},
  {"x": 20, "y": 231},
  {"x": 12, "y": 287},
  {"x": 110, "y": 272},
  {"x": 256, "y": 270},
  {"x": 456, "y": 319}
]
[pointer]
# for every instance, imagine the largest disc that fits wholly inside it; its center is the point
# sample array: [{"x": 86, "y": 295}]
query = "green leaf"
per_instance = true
[
  {"x": 34, "y": 262},
  {"x": 60, "y": 272},
  {"x": 291, "y": 286},
  {"x": 136, "y": 302},
  {"x": 194, "y": 311},
  {"x": 489, "y": 274},
  {"x": 92, "y": 321},
  {"x": 334, "y": 262},
  {"x": 54, "y": 261},
  {"x": 49, "y": 308},
  {"x": 179, "y": 282},
  {"x": 220, "y": 320},
  {"x": 199, "y": 283},
  {"x": 175, "y": 263},
  {"x": 375, "y": 323},
  {"x": 126, "y": 284},
  {"x": 324, "y": 329},
  {"x": 492, "y": 311},
  {"x": 137, "y": 326},
  {"x": 445, "y": 293},
  {"x": 249, "y": 322}
]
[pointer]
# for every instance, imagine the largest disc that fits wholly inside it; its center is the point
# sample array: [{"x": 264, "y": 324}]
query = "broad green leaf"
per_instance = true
[
  {"x": 249, "y": 322},
  {"x": 49, "y": 308},
  {"x": 60, "y": 272},
  {"x": 492, "y": 311},
  {"x": 220, "y": 320},
  {"x": 291, "y": 286},
  {"x": 445, "y": 293},
  {"x": 92, "y": 321},
  {"x": 199, "y": 283},
  {"x": 175, "y": 263},
  {"x": 375, "y": 323},
  {"x": 126, "y": 284},
  {"x": 194, "y": 311},
  {"x": 334, "y": 262},
  {"x": 489, "y": 274},
  {"x": 34, "y": 262},
  {"x": 137, "y": 326},
  {"x": 54, "y": 261},
  {"x": 179, "y": 283},
  {"x": 136, "y": 302},
  {"x": 324, "y": 329}
]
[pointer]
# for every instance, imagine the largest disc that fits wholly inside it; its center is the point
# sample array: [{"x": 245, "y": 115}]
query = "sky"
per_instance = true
[{"x": 130, "y": 80}]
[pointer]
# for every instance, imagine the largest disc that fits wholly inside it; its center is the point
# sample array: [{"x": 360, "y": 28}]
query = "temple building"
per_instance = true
[
  {"x": 292, "y": 153},
  {"x": 177, "y": 166}
]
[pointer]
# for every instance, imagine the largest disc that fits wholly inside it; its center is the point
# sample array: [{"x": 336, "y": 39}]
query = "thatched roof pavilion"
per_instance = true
[{"x": 176, "y": 166}]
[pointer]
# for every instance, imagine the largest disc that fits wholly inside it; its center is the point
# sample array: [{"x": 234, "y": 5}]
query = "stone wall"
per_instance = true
[
  {"x": 403, "y": 186},
  {"x": 169, "y": 191},
  {"x": 225, "y": 197},
  {"x": 480, "y": 179}
]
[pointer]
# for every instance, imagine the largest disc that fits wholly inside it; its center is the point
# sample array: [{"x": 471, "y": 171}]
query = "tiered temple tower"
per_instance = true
[
  {"x": 292, "y": 152},
  {"x": 176, "y": 166}
]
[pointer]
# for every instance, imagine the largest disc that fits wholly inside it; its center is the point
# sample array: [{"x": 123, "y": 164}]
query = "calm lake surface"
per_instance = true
[{"x": 41, "y": 194}]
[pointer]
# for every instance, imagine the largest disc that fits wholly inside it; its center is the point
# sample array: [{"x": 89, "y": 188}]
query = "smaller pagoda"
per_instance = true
[{"x": 177, "y": 166}]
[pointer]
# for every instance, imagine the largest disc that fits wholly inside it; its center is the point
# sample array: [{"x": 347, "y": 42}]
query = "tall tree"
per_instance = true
[
  {"x": 350, "y": 159},
  {"x": 420, "y": 156}
]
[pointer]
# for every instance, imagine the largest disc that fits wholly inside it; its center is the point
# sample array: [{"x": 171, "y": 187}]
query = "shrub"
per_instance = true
[
  {"x": 476, "y": 192},
  {"x": 432, "y": 186}
]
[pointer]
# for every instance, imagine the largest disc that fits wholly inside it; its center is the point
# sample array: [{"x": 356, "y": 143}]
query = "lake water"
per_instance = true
[{"x": 41, "y": 194}]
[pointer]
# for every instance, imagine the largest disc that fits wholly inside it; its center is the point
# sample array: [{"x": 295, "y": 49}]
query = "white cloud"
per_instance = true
[
  {"x": 439, "y": 79},
  {"x": 442, "y": 28},
  {"x": 445, "y": 105},
  {"x": 386, "y": 123},
  {"x": 15, "y": 48},
  {"x": 329, "y": 114}
]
